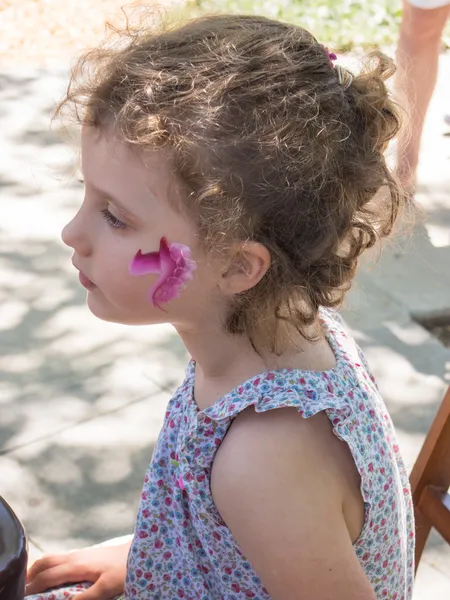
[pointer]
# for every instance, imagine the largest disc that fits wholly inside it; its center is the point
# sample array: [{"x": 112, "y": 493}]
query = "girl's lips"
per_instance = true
[{"x": 86, "y": 282}]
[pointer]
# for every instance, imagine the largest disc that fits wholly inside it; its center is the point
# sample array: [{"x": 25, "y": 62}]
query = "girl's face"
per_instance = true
[{"x": 129, "y": 205}]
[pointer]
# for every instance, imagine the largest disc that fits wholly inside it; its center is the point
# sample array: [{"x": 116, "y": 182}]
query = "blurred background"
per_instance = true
[
  {"x": 81, "y": 401},
  {"x": 45, "y": 32}
]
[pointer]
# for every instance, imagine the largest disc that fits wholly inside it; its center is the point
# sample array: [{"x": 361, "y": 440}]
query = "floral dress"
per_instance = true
[{"x": 183, "y": 549}]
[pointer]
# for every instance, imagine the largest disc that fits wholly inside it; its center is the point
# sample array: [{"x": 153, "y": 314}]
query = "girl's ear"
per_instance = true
[{"x": 247, "y": 267}]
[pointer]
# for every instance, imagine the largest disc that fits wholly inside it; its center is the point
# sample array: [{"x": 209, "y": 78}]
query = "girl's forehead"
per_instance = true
[
  {"x": 141, "y": 183},
  {"x": 107, "y": 161},
  {"x": 103, "y": 151}
]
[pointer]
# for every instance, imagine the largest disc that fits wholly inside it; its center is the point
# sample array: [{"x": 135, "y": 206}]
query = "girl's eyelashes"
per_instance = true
[
  {"x": 109, "y": 217},
  {"x": 112, "y": 220}
]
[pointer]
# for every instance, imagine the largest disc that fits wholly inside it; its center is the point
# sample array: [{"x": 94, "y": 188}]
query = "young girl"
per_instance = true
[{"x": 234, "y": 174}]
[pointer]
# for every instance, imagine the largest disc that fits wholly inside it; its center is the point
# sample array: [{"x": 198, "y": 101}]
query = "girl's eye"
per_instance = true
[{"x": 111, "y": 219}]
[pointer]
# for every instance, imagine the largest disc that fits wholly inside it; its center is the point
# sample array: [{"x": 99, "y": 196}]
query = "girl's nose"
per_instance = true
[{"x": 75, "y": 235}]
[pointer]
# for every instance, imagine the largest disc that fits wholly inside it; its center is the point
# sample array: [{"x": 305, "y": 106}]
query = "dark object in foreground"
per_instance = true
[
  {"x": 430, "y": 480},
  {"x": 13, "y": 554}
]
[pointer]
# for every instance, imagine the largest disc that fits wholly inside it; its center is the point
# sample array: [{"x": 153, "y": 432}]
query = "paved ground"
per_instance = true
[
  {"x": 48, "y": 32},
  {"x": 81, "y": 401}
]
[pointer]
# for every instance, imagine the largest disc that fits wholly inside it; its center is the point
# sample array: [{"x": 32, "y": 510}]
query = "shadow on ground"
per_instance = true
[{"x": 74, "y": 496}]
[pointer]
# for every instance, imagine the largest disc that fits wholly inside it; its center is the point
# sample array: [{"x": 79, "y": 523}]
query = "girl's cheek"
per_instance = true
[{"x": 168, "y": 270}]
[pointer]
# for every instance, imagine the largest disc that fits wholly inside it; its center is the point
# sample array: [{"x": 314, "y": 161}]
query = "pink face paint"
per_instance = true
[{"x": 174, "y": 266}]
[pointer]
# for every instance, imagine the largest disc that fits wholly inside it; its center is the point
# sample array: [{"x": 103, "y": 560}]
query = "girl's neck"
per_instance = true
[
  {"x": 225, "y": 360},
  {"x": 218, "y": 353}
]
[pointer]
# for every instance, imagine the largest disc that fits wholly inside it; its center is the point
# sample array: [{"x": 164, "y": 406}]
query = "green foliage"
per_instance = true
[{"x": 340, "y": 24}]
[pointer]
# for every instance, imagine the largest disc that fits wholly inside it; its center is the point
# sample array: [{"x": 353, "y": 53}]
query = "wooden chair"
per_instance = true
[
  {"x": 430, "y": 480},
  {"x": 13, "y": 554}
]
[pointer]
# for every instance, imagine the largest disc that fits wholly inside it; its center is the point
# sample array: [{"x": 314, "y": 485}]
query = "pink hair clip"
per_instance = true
[
  {"x": 331, "y": 55},
  {"x": 344, "y": 76}
]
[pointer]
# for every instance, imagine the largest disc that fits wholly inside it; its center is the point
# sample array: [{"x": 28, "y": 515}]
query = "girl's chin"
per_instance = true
[{"x": 101, "y": 308}]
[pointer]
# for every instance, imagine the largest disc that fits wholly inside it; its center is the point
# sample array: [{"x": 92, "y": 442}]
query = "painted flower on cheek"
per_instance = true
[{"x": 172, "y": 263}]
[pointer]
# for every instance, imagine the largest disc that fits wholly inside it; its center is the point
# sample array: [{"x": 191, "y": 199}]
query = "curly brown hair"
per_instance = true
[{"x": 268, "y": 143}]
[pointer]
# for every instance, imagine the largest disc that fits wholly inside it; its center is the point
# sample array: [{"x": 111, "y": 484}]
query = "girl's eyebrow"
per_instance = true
[{"x": 122, "y": 208}]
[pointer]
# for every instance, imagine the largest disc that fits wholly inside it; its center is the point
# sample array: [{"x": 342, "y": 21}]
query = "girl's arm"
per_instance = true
[{"x": 277, "y": 484}]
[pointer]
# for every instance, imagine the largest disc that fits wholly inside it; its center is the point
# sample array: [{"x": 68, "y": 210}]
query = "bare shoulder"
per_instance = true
[
  {"x": 280, "y": 440},
  {"x": 280, "y": 483}
]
